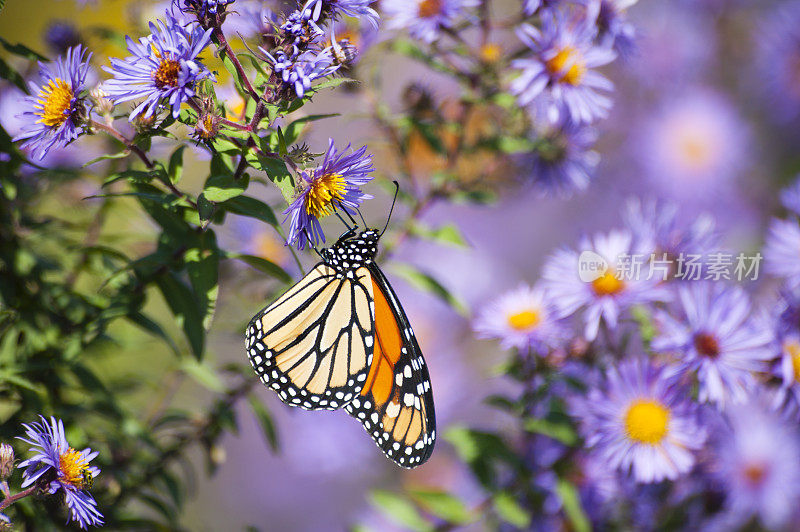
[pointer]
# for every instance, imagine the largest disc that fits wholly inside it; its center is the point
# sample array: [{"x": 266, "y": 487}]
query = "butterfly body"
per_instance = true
[{"x": 340, "y": 339}]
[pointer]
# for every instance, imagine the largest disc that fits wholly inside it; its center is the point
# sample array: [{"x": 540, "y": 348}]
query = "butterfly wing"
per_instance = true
[
  {"x": 314, "y": 344},
  {"x": 395, "y": 404}
]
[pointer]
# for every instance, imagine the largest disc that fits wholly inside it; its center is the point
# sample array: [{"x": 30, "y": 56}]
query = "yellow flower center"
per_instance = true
[
  {"x": 792, "y": 348},
  {"x": 166, "y": 75},
  {"x": 73, "y": 468},
  {"x": 647, "y": 421},
  {"x": 567, "y": 57},
  {"x": 607, "y": 284},
  {"x": 322, "y": 192},
  {"x": 524, "y": 320},
  {"x": 491, "y": 52},
  {"x": 55, "y": 99},
  {"x": 696, "y": 150},
  {"x": 754, "y": 474},
  {"x": 430, "y": 8},
  {"x": 706, "y": 345}
]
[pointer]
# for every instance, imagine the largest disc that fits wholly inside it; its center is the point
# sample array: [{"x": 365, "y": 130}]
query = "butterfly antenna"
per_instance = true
[
  {"x": 347, "y": 225},
  {"x": 362, "y": 216},
  {"x": 391, "y": 209}
]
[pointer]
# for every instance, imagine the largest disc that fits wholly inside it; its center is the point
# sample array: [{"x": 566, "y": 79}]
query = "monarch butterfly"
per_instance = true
[{"x": 339, "y": 338}]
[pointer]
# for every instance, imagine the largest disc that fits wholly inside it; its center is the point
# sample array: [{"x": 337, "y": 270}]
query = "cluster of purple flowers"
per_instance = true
[
  {"x": 558, "y": 81},
  {"x": 300, "y": 56},
  {"x": 692, "y": 382}
]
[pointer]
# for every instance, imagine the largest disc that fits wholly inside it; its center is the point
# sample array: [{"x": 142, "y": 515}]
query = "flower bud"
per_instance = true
[
  {"x": 6, "y": 461},
  {"x": 103, "y": 104}
]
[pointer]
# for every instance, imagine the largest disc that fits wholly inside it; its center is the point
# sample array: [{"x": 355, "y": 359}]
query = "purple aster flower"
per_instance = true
[
  {"x": 613, "y": 27},
  {"x": 315, "y": 9},
  {"x": 659, "y": 230},
  {"x": 163, "y": 69},
  {"x": 332, "y": 185},
  {"x": 561, "y": 70},
  {"x": 55, "y": 111},
  {"x": 756, "y": 462},
  {"x": 529, "y": 7},
  {"x": 782, "y": 251},
  {"x": 640, "y": 420},
  {"x": 563, "y": 162},
  {"x": 299, "y": 71},
  {"x": 424, "y": 19},
  {"x": 521, "y": 318},
  {"x": 599, "y": 280},
  {"x": 694, "y": 145},
  {"x": 68, "y": 469},
  {"x": 718, "y": 339},
  {"x": 790, "y": 196},
  {"x": 206, "y": 7},
  {"x": 301, "y": 30},
  {"x": 61, "y": 35}
]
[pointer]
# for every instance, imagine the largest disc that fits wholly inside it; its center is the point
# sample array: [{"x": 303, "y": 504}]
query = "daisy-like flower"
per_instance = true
[
  {"x": 600, "y": 280},
  {"x": 695, "y": 144},
  {"x": 299, "y": 71},
  {"x": 332, "y": 185},
  {"x": 658, "y": 230},
  {"x": 718, "y": 339},
  {"x": 69, "y": 469},
  {"x": 564, "y": 161},
  {"x": 55, "y": 110},
  {"x": 639, "y": 420},
  {"x": 782, "y": 251},
  {"x": 612, "y": 23},
  {"x": 790, "y": 196},
  {"x": 755, "y": 460},
  {"x": 561, "y": 70},
  {"x": 316, "y": 9},
  {"x": 425, "y": 19},
  {"x": 163, "y": 70},
  {"x": 521, "y": 318}
]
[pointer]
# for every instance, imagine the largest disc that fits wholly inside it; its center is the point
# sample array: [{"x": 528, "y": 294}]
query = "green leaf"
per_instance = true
[
  {"x": 481, "y": 451},
  {"x": 247, "y": 206},
  {"x": 510, "y": 511},
  {"x": 184, "y": 307},
  {"x": 205, "y": 209},
  {"x": 8, "y": 73},
  {"x": 426, "y": 283},
  {"x": 265, "y": 421},
  {"x": 562, "y": 432},
  {"x": 400, "y": 510},
  {"x": 572, "y": 506},
  {"x": 442, "y": 505},
  {"x": 262, "y": 265},
  {"x": 275, "y": 169},
  {"x": 224, "y": 187},
  {"x": 447, "y": 234},
  {"x": 175, "y": 169},
  {"x": 153, "y": 328},
  {"x": 332, "y": 83},
  {"x": 118, "y": 155},
  {"x": 202, "y": 264},
  {"x": 133, "y": 175},
  {"x": 204, "y": 375},
  {"x": 22, "y": 51},
  {"x": 294, "y": 129}
]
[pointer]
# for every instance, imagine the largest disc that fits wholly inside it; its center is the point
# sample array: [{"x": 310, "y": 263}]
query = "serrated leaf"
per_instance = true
[
  {"x": 265, "y": 422},
  {"x": 443, "y": 505},
  {"x": 510, "y": 511},
  {"x": 400, "y": 510},
  {"x": 572, "y": 506},
  {"x": 426, "y": 283},
  {"x": 262, "y": 265},
  {"x": 224, "y": 187}
]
